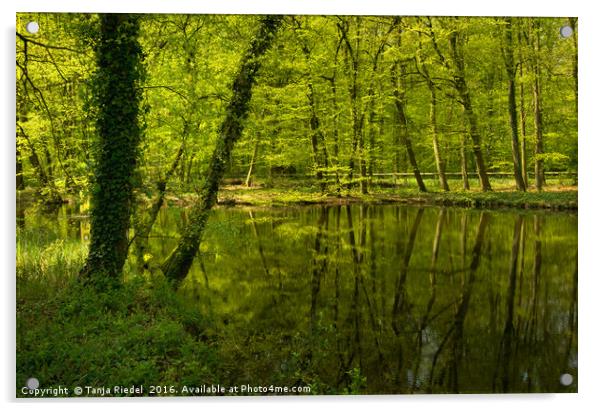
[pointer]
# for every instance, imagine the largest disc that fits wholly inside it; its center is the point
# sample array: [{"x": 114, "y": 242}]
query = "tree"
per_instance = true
[
  {"x": 422, "y": 69},
  {"x": 508, "y": 51},
  {"x": 118, "y": 94},
  {"x": 178, "y": 263},
  {"x": 537, "y": 114},
  {"x": 397, "y": 75},
  {"x": 457, "y": 52}
]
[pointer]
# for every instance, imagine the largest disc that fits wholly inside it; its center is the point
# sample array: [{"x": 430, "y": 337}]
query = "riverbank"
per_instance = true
[{"x": 553, "y": 198}]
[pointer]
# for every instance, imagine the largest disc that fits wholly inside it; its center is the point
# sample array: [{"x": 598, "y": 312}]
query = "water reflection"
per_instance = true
[{"x": 385, "y": 299}]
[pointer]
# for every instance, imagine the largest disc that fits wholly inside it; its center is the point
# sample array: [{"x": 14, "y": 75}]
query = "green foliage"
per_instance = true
[
  {"x": 358, "y": 382},
  {"x": 192, "y": 59},
  {"x": 138, "y": 334}
]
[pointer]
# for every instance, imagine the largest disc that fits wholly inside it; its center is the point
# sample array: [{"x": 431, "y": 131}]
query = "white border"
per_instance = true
[
  {"x": 589, "y": 175},
  {"x": 424, "y": 7}
]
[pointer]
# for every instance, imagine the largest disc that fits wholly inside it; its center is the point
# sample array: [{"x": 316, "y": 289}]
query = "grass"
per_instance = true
[
  {"x": 558, "y": 194},
  {"x": 139, "y": 333}
]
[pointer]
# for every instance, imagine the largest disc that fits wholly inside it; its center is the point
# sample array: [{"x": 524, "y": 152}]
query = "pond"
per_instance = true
[{"x": 377, "y": 298}]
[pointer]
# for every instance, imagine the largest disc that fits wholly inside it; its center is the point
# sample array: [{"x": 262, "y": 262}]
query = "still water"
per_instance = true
[{"x": 381, "y": 299}]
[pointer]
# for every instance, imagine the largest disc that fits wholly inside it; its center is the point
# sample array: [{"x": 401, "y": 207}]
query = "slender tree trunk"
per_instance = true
[
  {"x": 537, "y": 116},
  {"x": 119, "y": 57},
  {"x": 371, "y": 144},
  {"x": 539, "y": 149},
  {"x": 20, "y": 182},
  {"x": 508, "y": 50},
  {"x": 471, "y": 118},
  {"x": 34, "y": 159},
  {"x": 320, "y": 155},
  {"x": 464, "y": 164},
  {"x": 252, "y": 165},
  {"x": 177, "y": 265},
  {"x": 357, "y": 118},
  {"x": 399, "y": 97},
  {"x": 433, "y": 119},
  {"x": 316, "y": 137},
  {"x": 363, "y": 167},
  {"x": 523, "y": 131},
  {"x": 335, "y": 132}
]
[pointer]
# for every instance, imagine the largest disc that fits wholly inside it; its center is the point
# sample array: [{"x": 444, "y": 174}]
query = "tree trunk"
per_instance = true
[
  {"x": 19, "y": 182},
  {"x": 399, "y": 97},
  {"x": 316, "y": 137},
  {"x": 252, "y": 165},
  {"x": 320, "y": 155},
  {"x": 537, "y": 117},
  {"x": 471, "y": 118},
  {"x": 118, "y": 95},
  {"x": 335, "y": 131},
  {"x": 357, "y": 117},
  {"x": 464, "y": 164},
  {"x": 523, "y": 131},
  {"x": 508, "y": 51},
  {"x": 433, "y": 119},
  {"x": 178, "y": 264}
]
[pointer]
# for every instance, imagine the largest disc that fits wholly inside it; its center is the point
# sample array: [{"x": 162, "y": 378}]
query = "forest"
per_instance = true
[{"x": 335, "y": 204}]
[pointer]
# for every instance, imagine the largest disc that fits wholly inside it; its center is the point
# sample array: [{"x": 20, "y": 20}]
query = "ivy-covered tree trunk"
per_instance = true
[
  {"x": 177, "y": 265},
  {"x": 118, "y": 94}
]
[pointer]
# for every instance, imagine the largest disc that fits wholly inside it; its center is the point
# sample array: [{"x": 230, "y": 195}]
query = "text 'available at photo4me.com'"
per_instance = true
[{"x": 163, "y": 390}]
